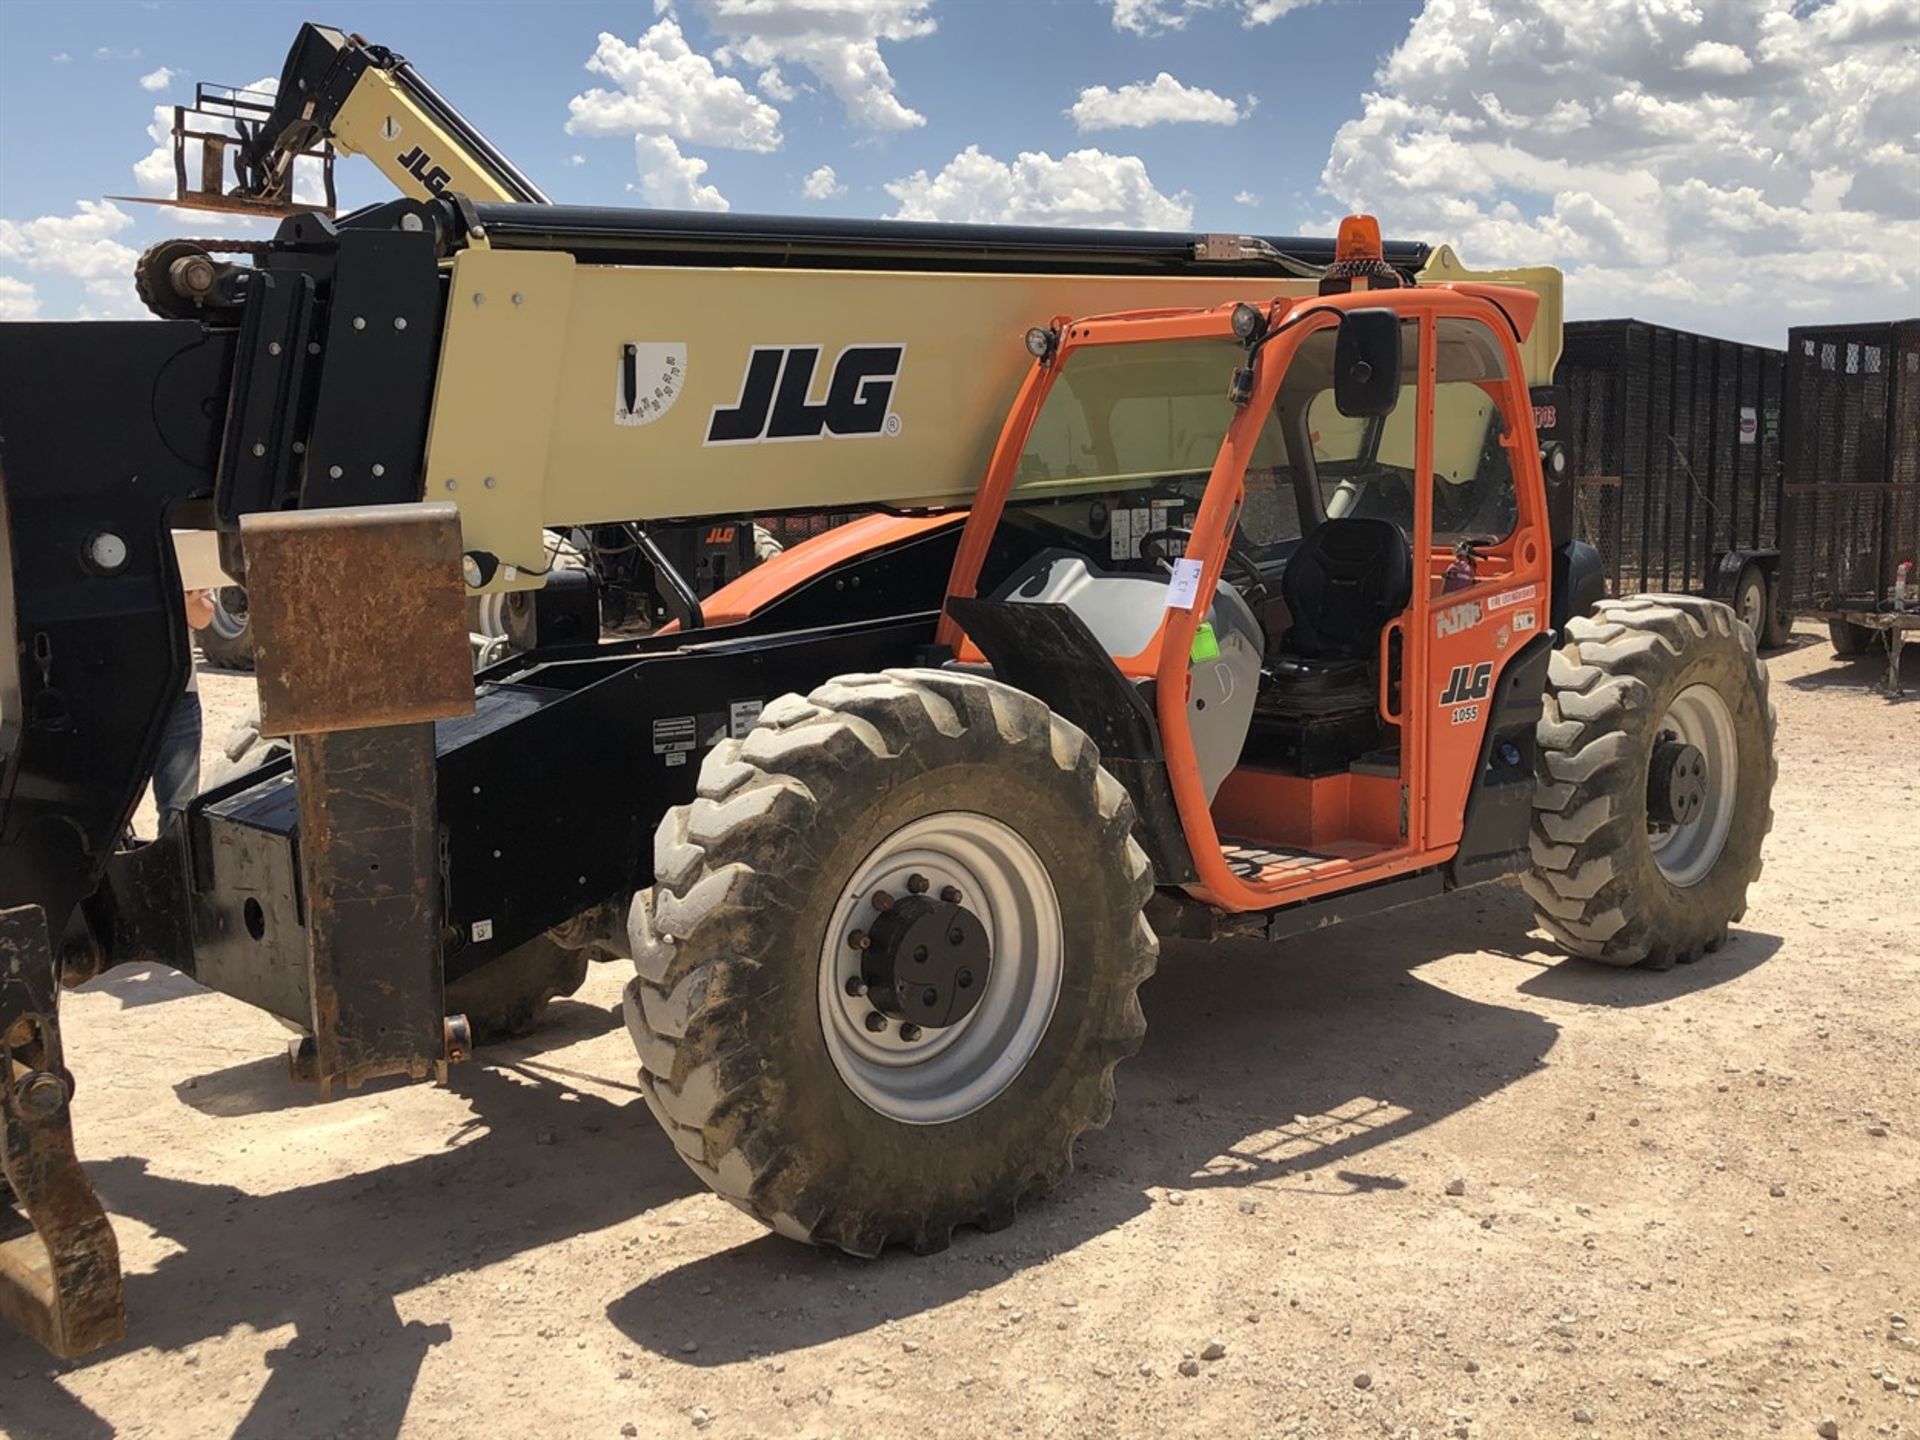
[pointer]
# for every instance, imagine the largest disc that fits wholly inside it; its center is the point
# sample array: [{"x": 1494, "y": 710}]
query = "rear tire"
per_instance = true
[
  {"x": 1849, "y": 639},
  {"x": 227, "y": 640},
  {"x": 505, "y": 998},
  {"x": 733, "y": 1006},
  {"x": 1604, "y": 884}
]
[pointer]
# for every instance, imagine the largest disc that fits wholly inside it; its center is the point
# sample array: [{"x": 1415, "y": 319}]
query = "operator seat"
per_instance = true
[{"x": 1348, "y": 578}]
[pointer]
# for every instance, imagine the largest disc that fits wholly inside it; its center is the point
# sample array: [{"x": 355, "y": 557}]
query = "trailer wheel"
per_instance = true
[
  {"x": 1656, "y": 777},
  {"x": 1850, "y": 639},
  {"x": 1750, "y": 600},
  {"x": 1779, "y": 633},
  {"x": 891, "y": 959},
  {"x": 766, "y": 544},
  {"x": 227, "y": 640}
]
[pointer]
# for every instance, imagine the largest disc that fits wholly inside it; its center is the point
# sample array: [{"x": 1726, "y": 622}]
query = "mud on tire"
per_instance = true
[
  {"x": 1597, "y": 879},
  {"x": 727, "y": 1008}
]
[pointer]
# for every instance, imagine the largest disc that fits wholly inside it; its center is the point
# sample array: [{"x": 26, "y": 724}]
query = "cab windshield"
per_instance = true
[{"x": 1134, "y": 416}]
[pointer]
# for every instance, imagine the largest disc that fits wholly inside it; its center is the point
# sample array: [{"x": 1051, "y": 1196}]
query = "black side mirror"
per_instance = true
[{"x": 1366, "y": 363}]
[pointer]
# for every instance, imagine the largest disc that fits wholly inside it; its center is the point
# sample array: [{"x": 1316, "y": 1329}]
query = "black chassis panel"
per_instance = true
[
  {"x": 549, "y": 796},
  {"x": 104, "y": 428}
]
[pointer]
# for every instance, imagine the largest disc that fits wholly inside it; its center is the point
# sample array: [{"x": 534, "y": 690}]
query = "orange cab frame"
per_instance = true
[{"x": 1438, "y": 765}]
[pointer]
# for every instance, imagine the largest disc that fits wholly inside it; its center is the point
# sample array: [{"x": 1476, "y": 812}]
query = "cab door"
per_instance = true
[{"x": 1485, "y": 580}]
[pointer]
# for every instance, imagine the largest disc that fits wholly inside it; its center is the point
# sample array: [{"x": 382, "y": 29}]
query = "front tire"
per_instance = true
[
  {"x": 1624, "y": 872},
  {"x": 919, "y": 782}
]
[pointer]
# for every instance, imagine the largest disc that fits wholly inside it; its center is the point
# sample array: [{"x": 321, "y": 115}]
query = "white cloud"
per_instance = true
[
  {"x": 670, "y": 180},
  {"x": 1084, "y": 187},
  {"x": 17, "y": 299},
  {"x": 838, "y": 40},
  {"x": 1721, "y": 164},
  {"x": 822, "y": 184},
  {"x": 157, "y": 79},
  {"x": 665, "y": 88},
  {"x": 1716, "y": 57},
  {"x": 1247, "y": 198},
  {"x": 113, "y": 298},
  {"x": 574, "y": 162},
  {"x": 774, "y": 85},
  {"x": 61, "y": 57},
  {"x": 1149, "y": 17},
  {"x": 1161, "y": 101},
  {"x": 80, "y": 245}
]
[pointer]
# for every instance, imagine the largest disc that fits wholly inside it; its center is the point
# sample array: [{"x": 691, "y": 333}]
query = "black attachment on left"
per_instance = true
[{"x": 59, "y": 1262}]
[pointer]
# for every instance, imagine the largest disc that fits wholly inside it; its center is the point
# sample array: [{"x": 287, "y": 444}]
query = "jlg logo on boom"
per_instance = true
[
  {"x": 773, "y": 403},
  {"x": 417, "y": 163}
]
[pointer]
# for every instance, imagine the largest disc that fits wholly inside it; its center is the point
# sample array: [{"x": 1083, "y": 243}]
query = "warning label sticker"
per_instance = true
[
  {"x": 674, "y": 737},
  {"x": 740, "y": 716}
]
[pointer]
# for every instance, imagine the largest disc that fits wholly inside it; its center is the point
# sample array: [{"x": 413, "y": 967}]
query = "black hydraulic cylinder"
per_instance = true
[{"x": 671, "y": 237}]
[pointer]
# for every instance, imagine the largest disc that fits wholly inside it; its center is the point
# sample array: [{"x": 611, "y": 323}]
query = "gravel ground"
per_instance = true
[{"x": 1416, "y": 1176}]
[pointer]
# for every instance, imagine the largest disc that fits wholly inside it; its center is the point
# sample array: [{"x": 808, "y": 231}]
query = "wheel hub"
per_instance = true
[
  {"x": 926, "y": 962},
  {"x": 1676, "y": 783},
  {"x": 928, "y": 1059}
]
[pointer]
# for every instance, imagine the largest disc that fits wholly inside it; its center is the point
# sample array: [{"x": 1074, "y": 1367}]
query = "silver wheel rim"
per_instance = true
[
  {"x": 225, "y": 624},
  {"x": 1686, "y": 853},
  {"x": 1753, "y": 605},
  {"x": 952, "y": 1071}
]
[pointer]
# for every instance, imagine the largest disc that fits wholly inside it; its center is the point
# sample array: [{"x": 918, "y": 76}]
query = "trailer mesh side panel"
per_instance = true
[
  {"x": 1675, "y": 448},
  {"x": 1852, "y": 461}
]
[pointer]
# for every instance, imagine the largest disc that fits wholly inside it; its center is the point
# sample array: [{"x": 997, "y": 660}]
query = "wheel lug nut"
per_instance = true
[
  {"x": 860, "y": 940},
  {"x": 909, "y": 1031},
  {"x": 882, "y": 901},
  {"x": 876, "y": 1022},
  {"x": 950, "y": 894},
  {"x": 918, "y": 884},
  {"x": 931, "y": 997},
  {"x": 856, "y": 986}
]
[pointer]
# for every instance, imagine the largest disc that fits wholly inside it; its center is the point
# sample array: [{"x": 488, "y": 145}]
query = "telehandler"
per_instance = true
[{"x": 1262, "y": 612}]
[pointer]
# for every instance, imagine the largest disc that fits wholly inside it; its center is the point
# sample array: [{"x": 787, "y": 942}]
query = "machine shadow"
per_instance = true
[
  {"x": 538, "y": 1161},
  {"x": 1865, "y": 672},
  {"x": 1745, "y": 950},
  {"x": 255, "y": 1087},
  {"x": 1280, "y": 1069}
]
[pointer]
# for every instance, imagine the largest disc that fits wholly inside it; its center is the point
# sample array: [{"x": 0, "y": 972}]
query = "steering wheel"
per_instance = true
[{"x": 1241, "y": 565}]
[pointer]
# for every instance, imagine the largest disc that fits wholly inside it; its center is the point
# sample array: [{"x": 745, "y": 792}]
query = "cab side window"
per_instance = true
[
  {"x": 1365, "y": 467},
  {"x": 1473, "y": 483}
]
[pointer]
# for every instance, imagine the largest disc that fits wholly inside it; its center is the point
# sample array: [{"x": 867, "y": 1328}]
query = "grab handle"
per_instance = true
[{"x": 1387, "y": 675}]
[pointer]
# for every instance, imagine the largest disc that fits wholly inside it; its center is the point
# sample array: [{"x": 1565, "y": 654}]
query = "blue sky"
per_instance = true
[{"x": 1700, "y": 164}]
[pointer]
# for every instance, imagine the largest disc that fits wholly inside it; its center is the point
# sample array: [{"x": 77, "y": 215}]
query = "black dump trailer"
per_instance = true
[
  {"x": 1851, "y": 456},
  {"x": 1675, "y": 442}
]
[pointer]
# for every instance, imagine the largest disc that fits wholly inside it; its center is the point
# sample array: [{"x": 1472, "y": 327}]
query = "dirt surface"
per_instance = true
[{"x": 1687, "y": 1204}]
